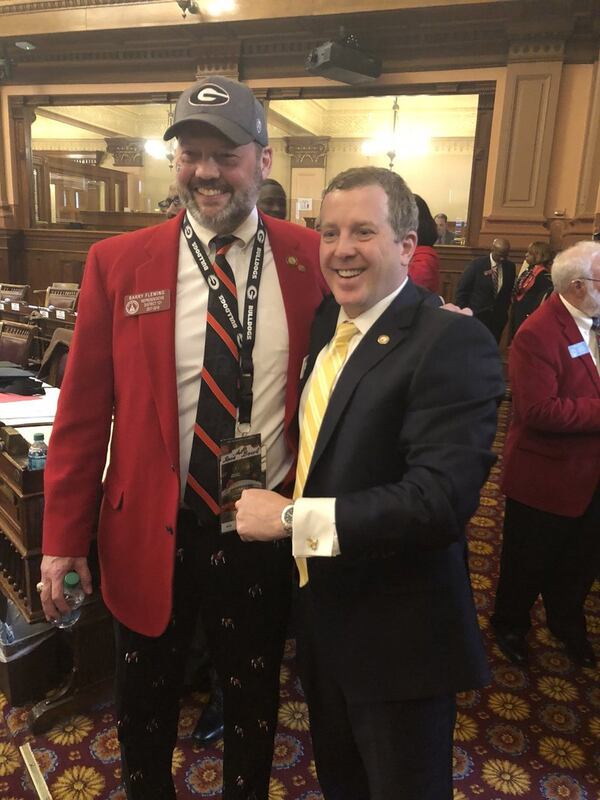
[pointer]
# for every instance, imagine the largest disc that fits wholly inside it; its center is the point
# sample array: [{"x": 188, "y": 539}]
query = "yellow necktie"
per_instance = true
[{"x": 321, "y": 385}]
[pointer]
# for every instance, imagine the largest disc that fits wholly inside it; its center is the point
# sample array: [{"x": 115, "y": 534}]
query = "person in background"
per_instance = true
[
  {"x": 486, "y": 287},
  {"x": 397, "y": 420},
  {"x": 551, "y": 541},
  {"x": 171, "y": 205},
  {"x": 533, "y": 286},
  {"x": 424, "y": 267},
  {"x": 272, "y": 199},
  {"x": 167, "y": 317},
  {"x": 444, "y": 235}
]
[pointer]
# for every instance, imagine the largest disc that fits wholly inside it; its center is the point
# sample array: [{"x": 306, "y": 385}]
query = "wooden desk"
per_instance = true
[{"x": 87, "y": 647}]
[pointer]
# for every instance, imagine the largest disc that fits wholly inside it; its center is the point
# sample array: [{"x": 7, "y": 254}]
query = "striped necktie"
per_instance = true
[
  {"x": 596, "y": 330},
  {"x": 218, "y": 399},
  {"x": 321, "y": 386}
]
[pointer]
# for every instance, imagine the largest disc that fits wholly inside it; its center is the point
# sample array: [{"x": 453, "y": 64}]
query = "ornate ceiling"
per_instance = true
[{"x": 84, "y": 41}]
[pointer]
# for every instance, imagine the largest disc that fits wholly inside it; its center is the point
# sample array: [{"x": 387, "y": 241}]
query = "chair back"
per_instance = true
[
  {"x": 54, "y": 360},
  {"x": 14, "y": 291},
  {"x": 16, "y": 341},
  {"x": 61, "y": 297}
]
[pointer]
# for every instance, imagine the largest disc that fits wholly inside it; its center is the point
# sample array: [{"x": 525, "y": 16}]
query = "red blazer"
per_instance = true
[
  {"x": 127, "y": 364},
  {"x": 424, "y": 268},
  {"x": 552, "y": 451}
]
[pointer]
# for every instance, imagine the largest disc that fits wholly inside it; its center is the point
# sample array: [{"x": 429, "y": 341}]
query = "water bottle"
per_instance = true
[
  {"x": 74, "y": 595},
  {"x": 38, "y": 451}
]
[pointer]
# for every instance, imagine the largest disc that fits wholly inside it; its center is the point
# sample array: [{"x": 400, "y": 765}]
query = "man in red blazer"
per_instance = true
[
  {"x": 551, "y": 477},
  {"x": 157, "y": 307}
]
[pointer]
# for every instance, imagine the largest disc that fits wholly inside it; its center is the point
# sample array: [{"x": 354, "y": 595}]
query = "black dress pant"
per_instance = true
[
  {"x": 377, "y": 749},
  {"x": 552, "y": 555},
  {"x": 242, "y": 592}
]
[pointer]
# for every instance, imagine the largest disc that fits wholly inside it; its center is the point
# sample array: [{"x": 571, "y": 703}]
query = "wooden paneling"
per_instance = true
[
  {"x": 56, "y": 255},
  {"x": 11, "y": 256}
]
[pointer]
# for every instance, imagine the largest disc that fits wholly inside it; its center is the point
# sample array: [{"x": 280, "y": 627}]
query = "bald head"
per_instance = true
[{"x": 500, "y": 249}]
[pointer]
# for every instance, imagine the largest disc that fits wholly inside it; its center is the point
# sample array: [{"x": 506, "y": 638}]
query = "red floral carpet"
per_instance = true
[{"x": 533, "y": 733}]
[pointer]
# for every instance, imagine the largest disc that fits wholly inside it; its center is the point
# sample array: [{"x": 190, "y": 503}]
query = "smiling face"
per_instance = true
[
  {"x": 218, "y": 182},
  {"x": 361, "y": 259}
]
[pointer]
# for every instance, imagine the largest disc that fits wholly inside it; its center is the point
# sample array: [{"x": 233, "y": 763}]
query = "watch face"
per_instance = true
[{"x": 288, "y": 516}]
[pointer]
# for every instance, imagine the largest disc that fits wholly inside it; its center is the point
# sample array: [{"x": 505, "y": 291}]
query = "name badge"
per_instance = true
[
  {"x": 242, "y": 465},
  {"x": 579, "y": 349},
  {"x": 147, "y": 302}
]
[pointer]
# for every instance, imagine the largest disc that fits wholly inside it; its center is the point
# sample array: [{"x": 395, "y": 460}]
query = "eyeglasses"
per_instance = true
[
  {"x": 583, "y": 278},
  {"x": 168, "y": 202}
]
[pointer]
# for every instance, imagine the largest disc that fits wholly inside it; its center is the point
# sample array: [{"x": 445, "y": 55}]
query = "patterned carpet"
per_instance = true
[{"x": 533, "y": 733}]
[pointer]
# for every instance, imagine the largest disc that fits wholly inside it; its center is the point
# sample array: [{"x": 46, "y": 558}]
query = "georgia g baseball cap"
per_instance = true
[{"x": 227, "y": 105}]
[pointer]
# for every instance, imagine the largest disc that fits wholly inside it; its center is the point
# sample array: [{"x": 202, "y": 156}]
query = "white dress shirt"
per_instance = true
[
  {"x": 270, "y": 353},
  {"x": 584, "y": 323},
  {"x": 314, "y": 517},
  {"x": 497, "y": 264}
]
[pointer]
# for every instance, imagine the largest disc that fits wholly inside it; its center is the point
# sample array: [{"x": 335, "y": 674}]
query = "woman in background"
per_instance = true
[
  {"x": 424, "y": 267},
  {"x": 533, "y": 285}
]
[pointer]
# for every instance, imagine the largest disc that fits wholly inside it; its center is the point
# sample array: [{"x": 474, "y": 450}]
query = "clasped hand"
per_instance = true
[{"x": 259, "y": 515}]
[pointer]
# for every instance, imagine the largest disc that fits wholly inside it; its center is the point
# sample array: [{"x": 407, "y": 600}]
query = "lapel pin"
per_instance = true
[{"x": 383, "y": 339}]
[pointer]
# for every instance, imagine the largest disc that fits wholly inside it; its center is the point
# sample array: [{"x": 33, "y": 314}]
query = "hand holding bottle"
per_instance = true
[{"x": 53, "y": 571}]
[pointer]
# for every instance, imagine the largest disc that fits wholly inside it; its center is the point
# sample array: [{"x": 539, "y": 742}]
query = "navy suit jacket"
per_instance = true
[
  {"x": 476, "y": 290},
  {"x": 404, "y": 447}
]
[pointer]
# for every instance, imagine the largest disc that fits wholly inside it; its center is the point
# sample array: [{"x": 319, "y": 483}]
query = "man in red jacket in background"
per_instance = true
[{"x": 551, "y": 477}]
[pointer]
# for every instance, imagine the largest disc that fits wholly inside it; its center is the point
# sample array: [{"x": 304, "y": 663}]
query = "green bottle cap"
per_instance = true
[
  {"x": 38, "y": 437},
  {"x": 71, "y": 580}
]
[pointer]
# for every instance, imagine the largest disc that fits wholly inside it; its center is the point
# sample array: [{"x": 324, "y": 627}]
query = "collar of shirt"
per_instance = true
[
  {"x": 583, "y": 322},
  {"x": 245, "y": 232},
  {"x": 365, "y": 320}
]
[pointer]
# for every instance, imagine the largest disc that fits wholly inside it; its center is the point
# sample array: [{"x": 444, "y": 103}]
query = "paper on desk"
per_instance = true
[{"x": 30, "y": 410}]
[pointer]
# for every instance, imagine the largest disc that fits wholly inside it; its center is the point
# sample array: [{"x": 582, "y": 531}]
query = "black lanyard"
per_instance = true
[{"x": 245, "y": 340}]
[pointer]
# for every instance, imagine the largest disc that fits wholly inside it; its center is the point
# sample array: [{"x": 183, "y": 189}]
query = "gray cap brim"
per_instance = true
[{"x": 233, "y": 132}]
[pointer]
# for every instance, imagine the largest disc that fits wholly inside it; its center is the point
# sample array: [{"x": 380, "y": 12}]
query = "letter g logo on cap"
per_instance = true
[{"x": 209, "y": 95}]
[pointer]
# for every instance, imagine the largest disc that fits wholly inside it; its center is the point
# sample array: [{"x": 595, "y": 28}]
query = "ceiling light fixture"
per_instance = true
[
  {"x": 158, "y": 148},
  {"x": 213, "y": 8},
  {"x": 188, "y": 6},
  {"x": 406, "y": 141}
]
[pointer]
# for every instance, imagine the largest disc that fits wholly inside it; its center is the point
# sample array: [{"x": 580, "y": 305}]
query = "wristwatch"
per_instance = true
[{"x": 287, "y": 518}]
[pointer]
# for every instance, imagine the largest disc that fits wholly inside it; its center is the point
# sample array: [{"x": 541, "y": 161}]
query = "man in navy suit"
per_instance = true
[
  {"x": 387, "y": 631},
  {"x": 486, "y": 286}
]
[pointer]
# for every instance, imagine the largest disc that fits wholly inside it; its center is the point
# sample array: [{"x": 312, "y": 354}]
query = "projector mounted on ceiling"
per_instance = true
[{"x": 343, "y": 61}]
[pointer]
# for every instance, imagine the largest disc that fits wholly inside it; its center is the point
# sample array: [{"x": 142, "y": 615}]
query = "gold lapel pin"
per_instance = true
[{"x": 383, "y": 339}]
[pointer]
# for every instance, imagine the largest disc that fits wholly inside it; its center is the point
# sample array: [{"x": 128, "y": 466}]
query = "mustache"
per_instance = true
[{"x": 220, "y": 186}]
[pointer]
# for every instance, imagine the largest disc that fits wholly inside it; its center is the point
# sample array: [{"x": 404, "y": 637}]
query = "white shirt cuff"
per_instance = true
[{"x": 314, "y": 532}]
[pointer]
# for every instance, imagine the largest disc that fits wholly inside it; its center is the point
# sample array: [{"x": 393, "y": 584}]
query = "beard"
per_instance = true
[{"x": 226, "y": 220}]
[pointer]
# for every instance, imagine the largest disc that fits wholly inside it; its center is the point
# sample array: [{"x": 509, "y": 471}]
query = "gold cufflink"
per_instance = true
[
  {"x": 313, "y": 543},
  {"x": 383, "y": 339}
]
